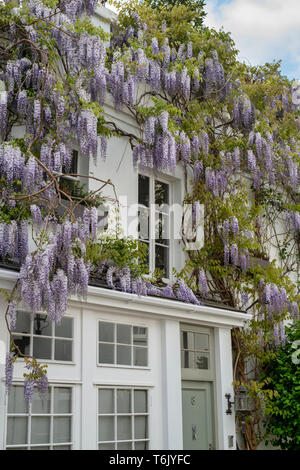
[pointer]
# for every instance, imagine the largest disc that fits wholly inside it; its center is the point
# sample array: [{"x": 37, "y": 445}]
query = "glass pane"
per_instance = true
[
  {"x": 162, "y": 228},
  {"x": 140, "y": 427},
  {"x": 106, "y": 332},
  {"x": 23, "y": 322},
  {"x": 106, "y": 428},
  {"x": 124, "y": 427},
  {"x": 23, "y": 342},
  {"x": 41, "y": 405},
  {"x": 40, "y": 429},
  {"x": 40, "y": 448},
  {"x": 124, "y": 401},
  {"x": 63, "y": 350},
  {"x": 42, "y": 325},
  {"x": 140, "y": 336},
  {"x": 143, "y": 197},
  {"x": 161, "y": 193},
  {"x": 124, "y": 334},
  {"x": 162, "y": 259},
  {"x": 106, "y": 353},
  {"x": 16, "y": 448},
  {"x": 188, "y": 340},
  {"x": 124, "y": 445},
  {"x": 42, "y": 348},
  {"x": 62, "y": 447},
  {"x": 187, "y": 360},
  {"x": 124, "y": 355},
  {"x": 143, "y": 223},
  {"x": 140, "y": 357},
  {"x": 141, "y": 445},
  {"x": 201, "y": 341},
  {"x": 202, "y": 360},
  {"x": 106, "y": 401},
  {"x": 16, "y": 402},
  {"x": 61, "y": 429},
  {"x": 140, "y": 401},
  {"x": 110, "y": 446},
  {"x": 65, "y": 329},
  {"x": 16, "y": 431},
  {"x": 62, "y": 400}
]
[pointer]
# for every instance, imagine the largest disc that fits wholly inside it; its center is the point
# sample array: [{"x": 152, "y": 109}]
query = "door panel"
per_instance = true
[{"x": 197, "y": 416}]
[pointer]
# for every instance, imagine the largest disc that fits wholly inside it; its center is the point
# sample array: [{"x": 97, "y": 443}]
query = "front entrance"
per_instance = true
[
  {"x": 197, "y": 420},
  {"x": 197, "y": 370}
]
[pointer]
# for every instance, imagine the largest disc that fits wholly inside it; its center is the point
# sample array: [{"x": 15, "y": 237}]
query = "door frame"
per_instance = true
[{"x": 191, "y": 377}]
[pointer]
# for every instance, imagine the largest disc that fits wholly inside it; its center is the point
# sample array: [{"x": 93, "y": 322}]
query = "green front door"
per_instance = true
[{"x": 197, "y": 415}]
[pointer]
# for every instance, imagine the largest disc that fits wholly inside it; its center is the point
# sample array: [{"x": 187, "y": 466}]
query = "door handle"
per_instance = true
[
  {"x": 210, "y": 446},
  {"x": 194, "y": 429}
]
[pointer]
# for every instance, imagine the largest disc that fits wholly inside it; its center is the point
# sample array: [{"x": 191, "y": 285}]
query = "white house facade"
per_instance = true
[{"x": 125, "y": 371}]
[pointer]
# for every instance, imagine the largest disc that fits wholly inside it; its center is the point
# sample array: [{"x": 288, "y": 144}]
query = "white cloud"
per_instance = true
[{"x": 263, "y": 30}]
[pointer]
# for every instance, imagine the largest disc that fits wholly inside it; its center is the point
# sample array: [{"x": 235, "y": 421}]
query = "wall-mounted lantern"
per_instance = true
[{"x": 241, "y": 401}]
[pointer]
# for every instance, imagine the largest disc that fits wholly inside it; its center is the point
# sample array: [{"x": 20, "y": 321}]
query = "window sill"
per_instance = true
[
  {"x": 117, "y": 366},
  {"x": 51, "y": 361}
]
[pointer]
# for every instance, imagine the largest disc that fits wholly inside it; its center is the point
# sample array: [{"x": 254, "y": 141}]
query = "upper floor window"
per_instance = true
[
  {"x": 69, "y": 184},
  {"x": 46, "y": 425},
  {"x": 154, "y": 221},
  {"x": 38, "y": 336},
  {"x": 124, "y": 345}
]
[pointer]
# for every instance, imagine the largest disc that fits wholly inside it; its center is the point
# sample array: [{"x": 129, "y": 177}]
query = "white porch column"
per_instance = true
[
  {"x": 224, "y": 379},
  {"x": 2, "y": 394},
  {"x": 171, "y": 380}
]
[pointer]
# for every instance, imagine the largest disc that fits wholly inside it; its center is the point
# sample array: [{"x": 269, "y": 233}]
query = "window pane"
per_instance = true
[
  {"x": 140, "y": 427},
  {"x": 143, "y": 223},
  {"x": 62, "y": 400},
  {"x": 141, "y": 445},
  {"x": 124, "y": 401},
  {"x": 40, "y": 429},
  {"x": 41, "y": 405},
  {"x": 63, "y": 350},
  {"x": 106, "y": 401},
  {"x": 23, "y": 322},
  {"x": 201, "y": 341},
  {"x": 61, "y": 429},
  {"x": 42, "y": 348},
  {"x": 106, "y": 428},
  {"x": 62, "y": 447},
  {"x": 140, "y": 401},
  {"x": 65, "y": 329},
  {"x": 201, "y": 360},
  {"x": 140, "y": 336},
  {"x": 124, "y": 334},
  {"x": 162, "y": 228},
  {"x": 124, "y": 445},
  {"x": 106, "y": 353},
  {"x": 16, "y": 402},
  {"x": 106, "y": 332},
  {"x": 188, "y": 340},
  {"x": 40, "y": 448},
  {"x": 110, "y": 446},
  {"x": 23, "y": 342},
  {"x": 161, "y": 193},
  {"x": 143, "y": 196},
  {"x": 124, "y": 427},
  {"x": 124, "y": 355},
  {"x": 140, "y": 357},
  {"x": 187, "y": 360},
  {"x": 42, "y": 325},
  {"x": 162, "y": 259},
  {"x": 16, "y": 431}
]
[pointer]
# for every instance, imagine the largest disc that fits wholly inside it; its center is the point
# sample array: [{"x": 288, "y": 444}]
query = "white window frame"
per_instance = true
[
  {"x": 53, "y": 338},
  {"x": 51, "y": 415},
  {"x": 116, "y": 415},
  {"x": 115, "y": 344},
  {"x": 152, "y": 222}
]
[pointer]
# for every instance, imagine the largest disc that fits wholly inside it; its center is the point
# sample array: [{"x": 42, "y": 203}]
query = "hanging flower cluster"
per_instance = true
[
  {"x": 274, "y": 298},
  {"x": 14, "y": 240}
]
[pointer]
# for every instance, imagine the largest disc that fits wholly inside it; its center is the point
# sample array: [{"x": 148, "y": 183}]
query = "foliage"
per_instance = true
[{"x": 283, "y": 409}]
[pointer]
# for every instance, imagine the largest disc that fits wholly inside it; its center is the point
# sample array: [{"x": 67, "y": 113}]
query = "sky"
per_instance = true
[{"x": 263, "y": 30}]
